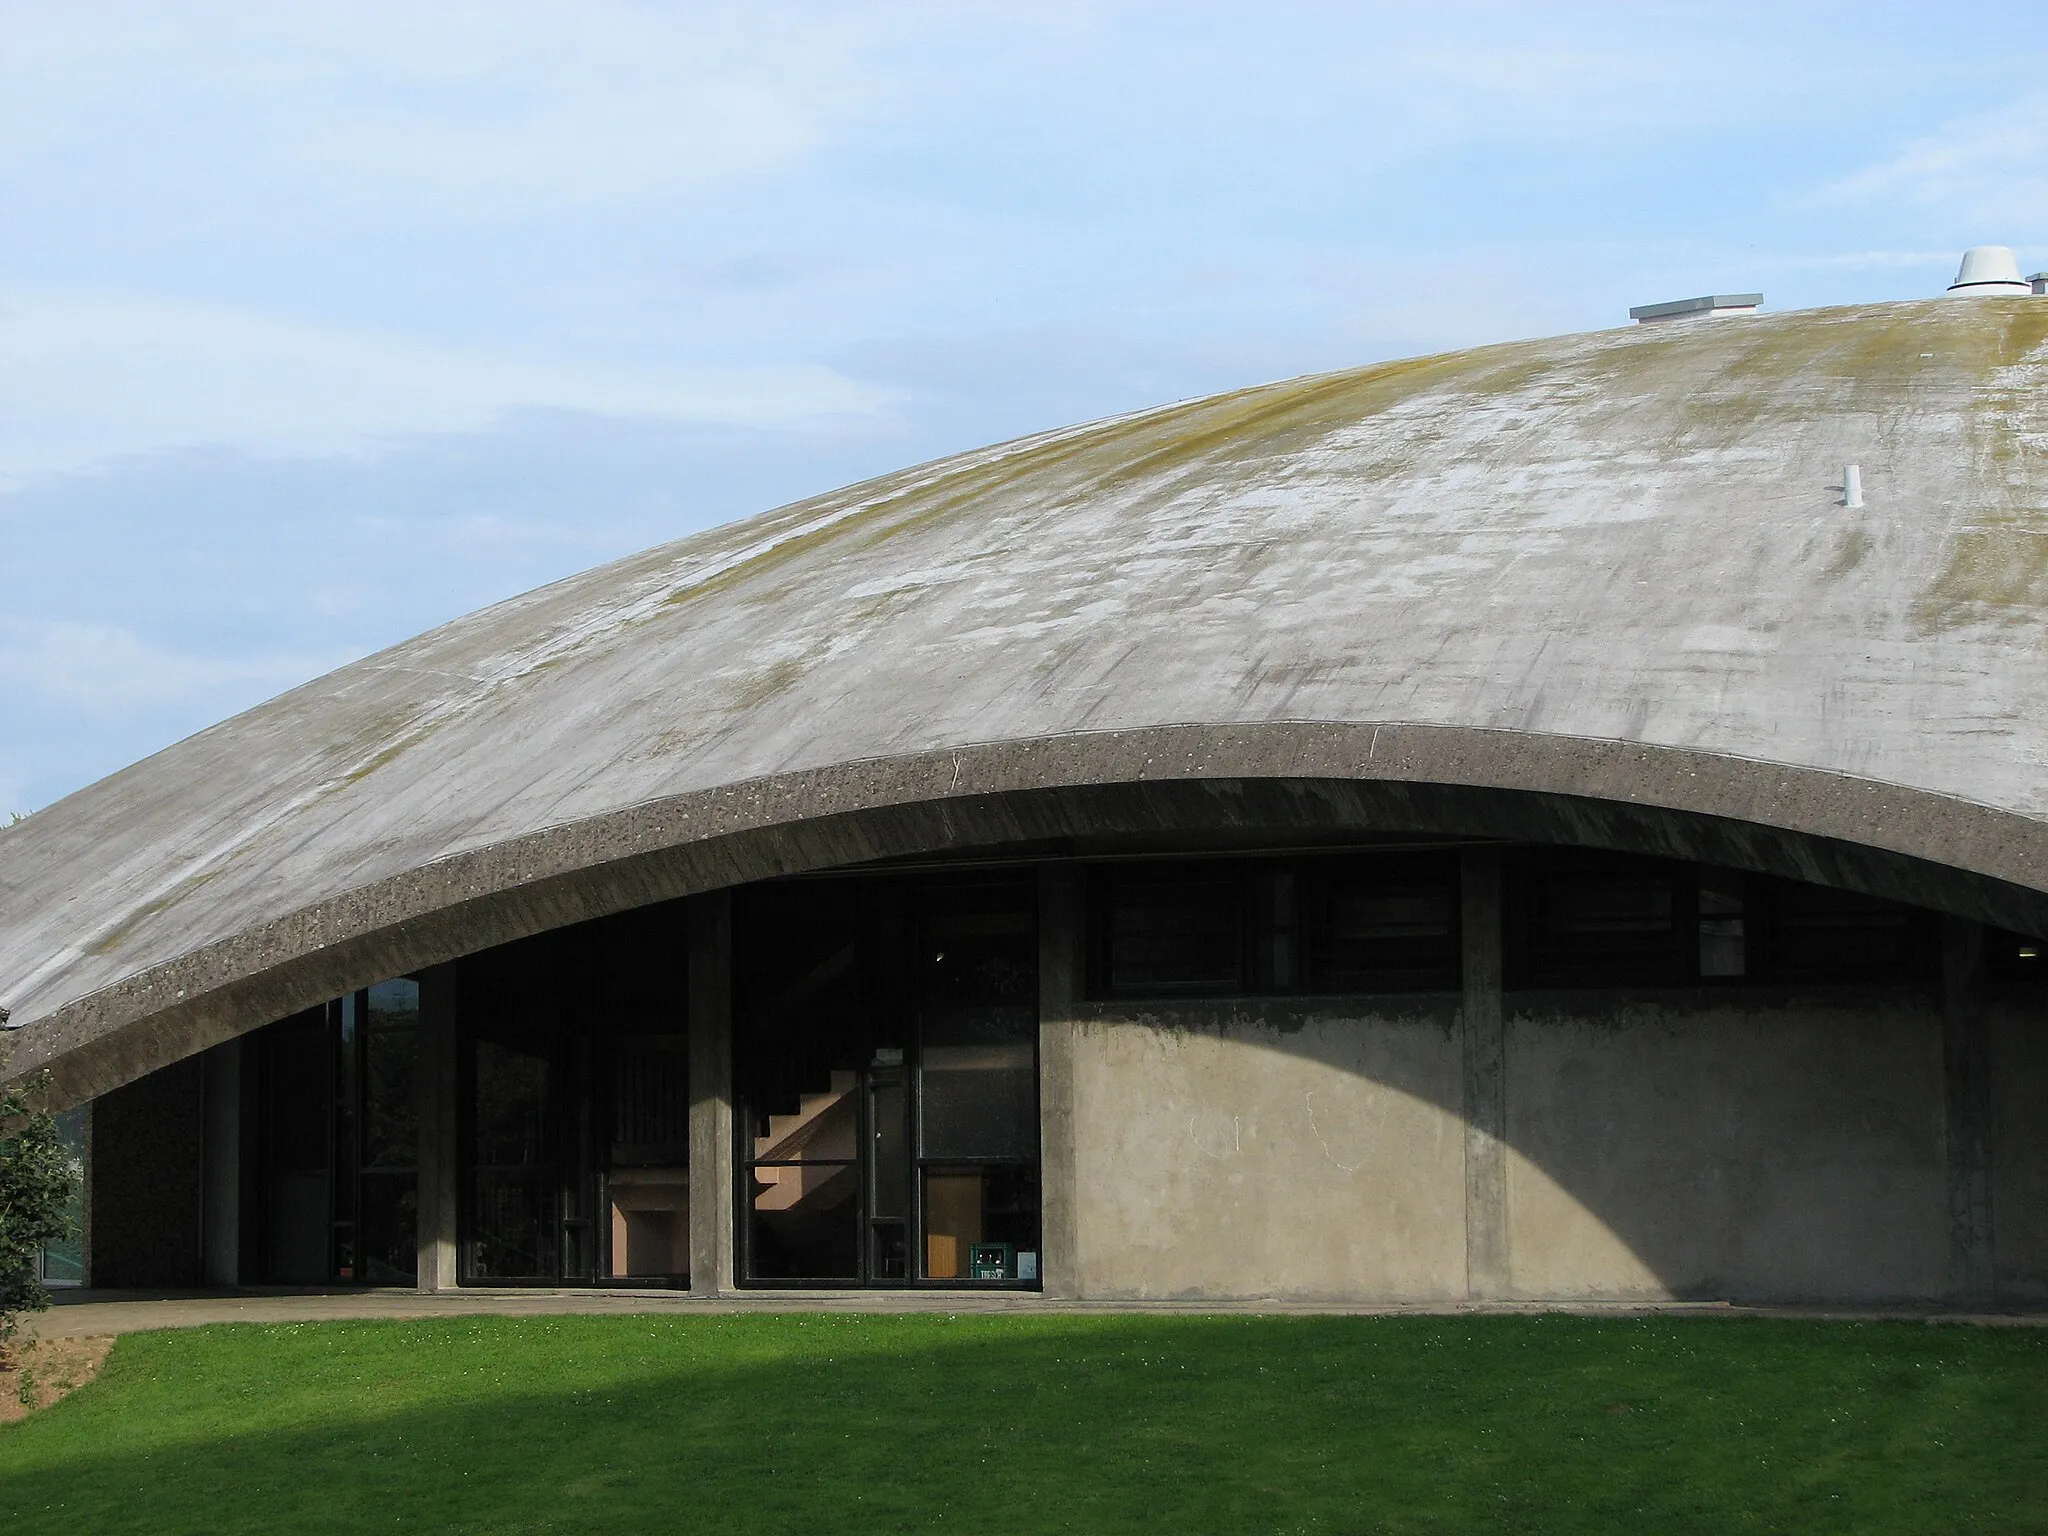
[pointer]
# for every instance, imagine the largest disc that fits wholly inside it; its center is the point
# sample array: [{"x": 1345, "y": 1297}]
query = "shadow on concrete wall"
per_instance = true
[{"x": 1756, "y": 1144}]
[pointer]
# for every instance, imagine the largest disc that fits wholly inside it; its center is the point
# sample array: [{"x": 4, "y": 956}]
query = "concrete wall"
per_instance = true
[
  {"x": 1747, "y": 1146},
  {"x": 1740, "y": 1147},
  {"x": 1240, "y": 1151},
  {"x": 147, "y": 1176}
]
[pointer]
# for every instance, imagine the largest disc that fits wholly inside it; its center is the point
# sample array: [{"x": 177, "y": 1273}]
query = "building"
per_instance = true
[{"x": 1564, "y": 820}]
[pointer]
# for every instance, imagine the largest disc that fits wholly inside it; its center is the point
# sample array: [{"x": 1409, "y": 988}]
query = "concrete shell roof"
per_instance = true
[{"x": 1630, "y": 537}]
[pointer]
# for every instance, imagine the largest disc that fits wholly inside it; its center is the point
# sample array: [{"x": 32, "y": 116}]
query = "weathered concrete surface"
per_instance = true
[
  {"x": 1738, "y": 1149},
  {"x": 1313, "y": 1155},
  {"x": 711, "y": 1112},
  {"x": 1062, "y": 971},
  {"x": 1749, "y": 1147},
  {"x": 1483, "y": 1092},
  {"x": 1610, "y": 566},
  {"x": 438, "y": 1104}
]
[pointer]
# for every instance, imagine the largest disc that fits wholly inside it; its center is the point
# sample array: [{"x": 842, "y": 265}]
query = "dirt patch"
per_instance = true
[{"x": 37, "y": 1373}]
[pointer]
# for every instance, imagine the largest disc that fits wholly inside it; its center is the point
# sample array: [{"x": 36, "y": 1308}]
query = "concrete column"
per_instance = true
[
  {"x": 1061, "y": 981},
  {"x": 221, "y": 1143},
  {"x": 85, "y": 1113},
  {"x": 711, "y": 1127},
  {"x": 1485, "y": 1080},
  {"x": 437, "y": 1091},
  {"x": 1966, "y": 1073}
]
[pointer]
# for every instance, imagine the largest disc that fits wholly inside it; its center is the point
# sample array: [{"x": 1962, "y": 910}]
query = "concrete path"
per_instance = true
[{"x": 91, "y": 1314}]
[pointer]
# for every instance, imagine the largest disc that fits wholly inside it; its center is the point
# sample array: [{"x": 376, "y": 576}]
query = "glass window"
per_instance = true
[
  {"x": 514, "y": 1216},
  {"x": 808, "y": 985},
  {"x": 1598, "y": 920},
  {"x": 1825, "y": 934},
  {"x": 575, "y": 1143},
  {"x": 650, "y": 1157},
  {"x": 1326, "y": 924},
  {"x": 1724, "y": 940},
  {"x": 981, "y": 1223},
  {"x": 978, "y": 1037},
  {"x": 1170, "y": 930},
  {"x": 1385, "y": 925},
  {"x": 63, "y": 1263},
  {"x": 978, "y": 1085},
  {"x": 386, "y": 1118},
  {"x": 805, "y": 1179},
  {"x": 885, "y": 1028}
]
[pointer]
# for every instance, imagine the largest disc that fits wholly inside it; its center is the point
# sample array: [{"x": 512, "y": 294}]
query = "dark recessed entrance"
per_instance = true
[{"x": 886, "y": 1070}]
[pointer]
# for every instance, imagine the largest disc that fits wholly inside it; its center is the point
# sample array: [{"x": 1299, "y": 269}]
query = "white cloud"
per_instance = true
[
  {"x": 86, "y": 376},
  {"x": 516, "y": 108},
  {"x": 1991, "y": 168},
  {"x": 101, "y": 669}
]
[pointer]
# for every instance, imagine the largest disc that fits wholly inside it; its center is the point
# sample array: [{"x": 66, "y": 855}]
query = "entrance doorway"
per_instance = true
[{"x": 886, "y": 1066}]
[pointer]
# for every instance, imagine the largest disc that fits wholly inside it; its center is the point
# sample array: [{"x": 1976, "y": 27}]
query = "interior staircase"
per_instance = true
[{"x": 823, "y": 1130}]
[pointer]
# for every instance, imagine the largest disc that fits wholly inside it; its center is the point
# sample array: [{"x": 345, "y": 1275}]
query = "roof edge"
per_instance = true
[{"x": 733, "y": 833}]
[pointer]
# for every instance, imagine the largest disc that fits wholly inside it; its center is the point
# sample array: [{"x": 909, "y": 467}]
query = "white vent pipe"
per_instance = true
[
  {"x": 1988, "y": 271},
  {"x": 1852, "y": 485}
]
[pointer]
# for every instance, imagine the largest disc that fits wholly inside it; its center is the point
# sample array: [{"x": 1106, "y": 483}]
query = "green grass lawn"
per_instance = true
[{"x": 781, "y": 1425}]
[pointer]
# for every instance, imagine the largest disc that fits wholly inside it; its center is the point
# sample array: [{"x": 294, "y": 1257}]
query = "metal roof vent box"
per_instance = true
[
  {"x": 1708, "y": 305},
  {"x": 1988, "y": 271}
]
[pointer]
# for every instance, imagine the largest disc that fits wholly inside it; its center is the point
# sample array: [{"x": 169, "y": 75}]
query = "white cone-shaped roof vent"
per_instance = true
[{"x": 1989, "y": 269}]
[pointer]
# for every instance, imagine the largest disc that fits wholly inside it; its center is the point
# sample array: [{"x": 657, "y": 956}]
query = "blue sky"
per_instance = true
[{"x": 321, "y": 324}]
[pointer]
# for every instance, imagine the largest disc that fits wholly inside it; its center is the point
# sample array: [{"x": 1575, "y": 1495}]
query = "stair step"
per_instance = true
[{"x": 810, "y": 1107}]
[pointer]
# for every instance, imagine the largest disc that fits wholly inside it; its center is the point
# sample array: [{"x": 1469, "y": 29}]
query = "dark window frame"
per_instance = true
[
  {"x": 1911, "y": 957},
  {"x": 1772, "y": 956},
  {"x": 1291, "y": 955},
  {"x": 1534, "y": 958}
]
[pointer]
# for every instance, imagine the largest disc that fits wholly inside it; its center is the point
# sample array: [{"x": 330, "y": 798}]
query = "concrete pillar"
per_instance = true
[
  {"x": 711, "y": 1127},
  {"x": 221, "y": 1143},
  {"x": 1966, "y": 1074},
  {"x": 1485, "y": 1081},
  {"x": 1061, "y": 981},
  {"x": 437, "y": 1090},
  {"x": 85, "y": 1118}
]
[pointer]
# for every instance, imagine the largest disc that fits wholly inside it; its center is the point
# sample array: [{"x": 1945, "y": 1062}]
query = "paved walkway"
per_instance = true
[{"x": 92, "y": 1314}]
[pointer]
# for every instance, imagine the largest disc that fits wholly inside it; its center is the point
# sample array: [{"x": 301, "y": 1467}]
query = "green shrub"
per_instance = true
[{"x": 38, "y": 1182}]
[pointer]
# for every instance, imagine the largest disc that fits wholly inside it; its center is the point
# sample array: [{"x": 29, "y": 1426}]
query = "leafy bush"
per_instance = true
[{"x": 38, "y": 1182}]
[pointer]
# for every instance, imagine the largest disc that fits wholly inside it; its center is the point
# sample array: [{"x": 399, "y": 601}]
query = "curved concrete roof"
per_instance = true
[{"x": 1613, "y": 565}]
